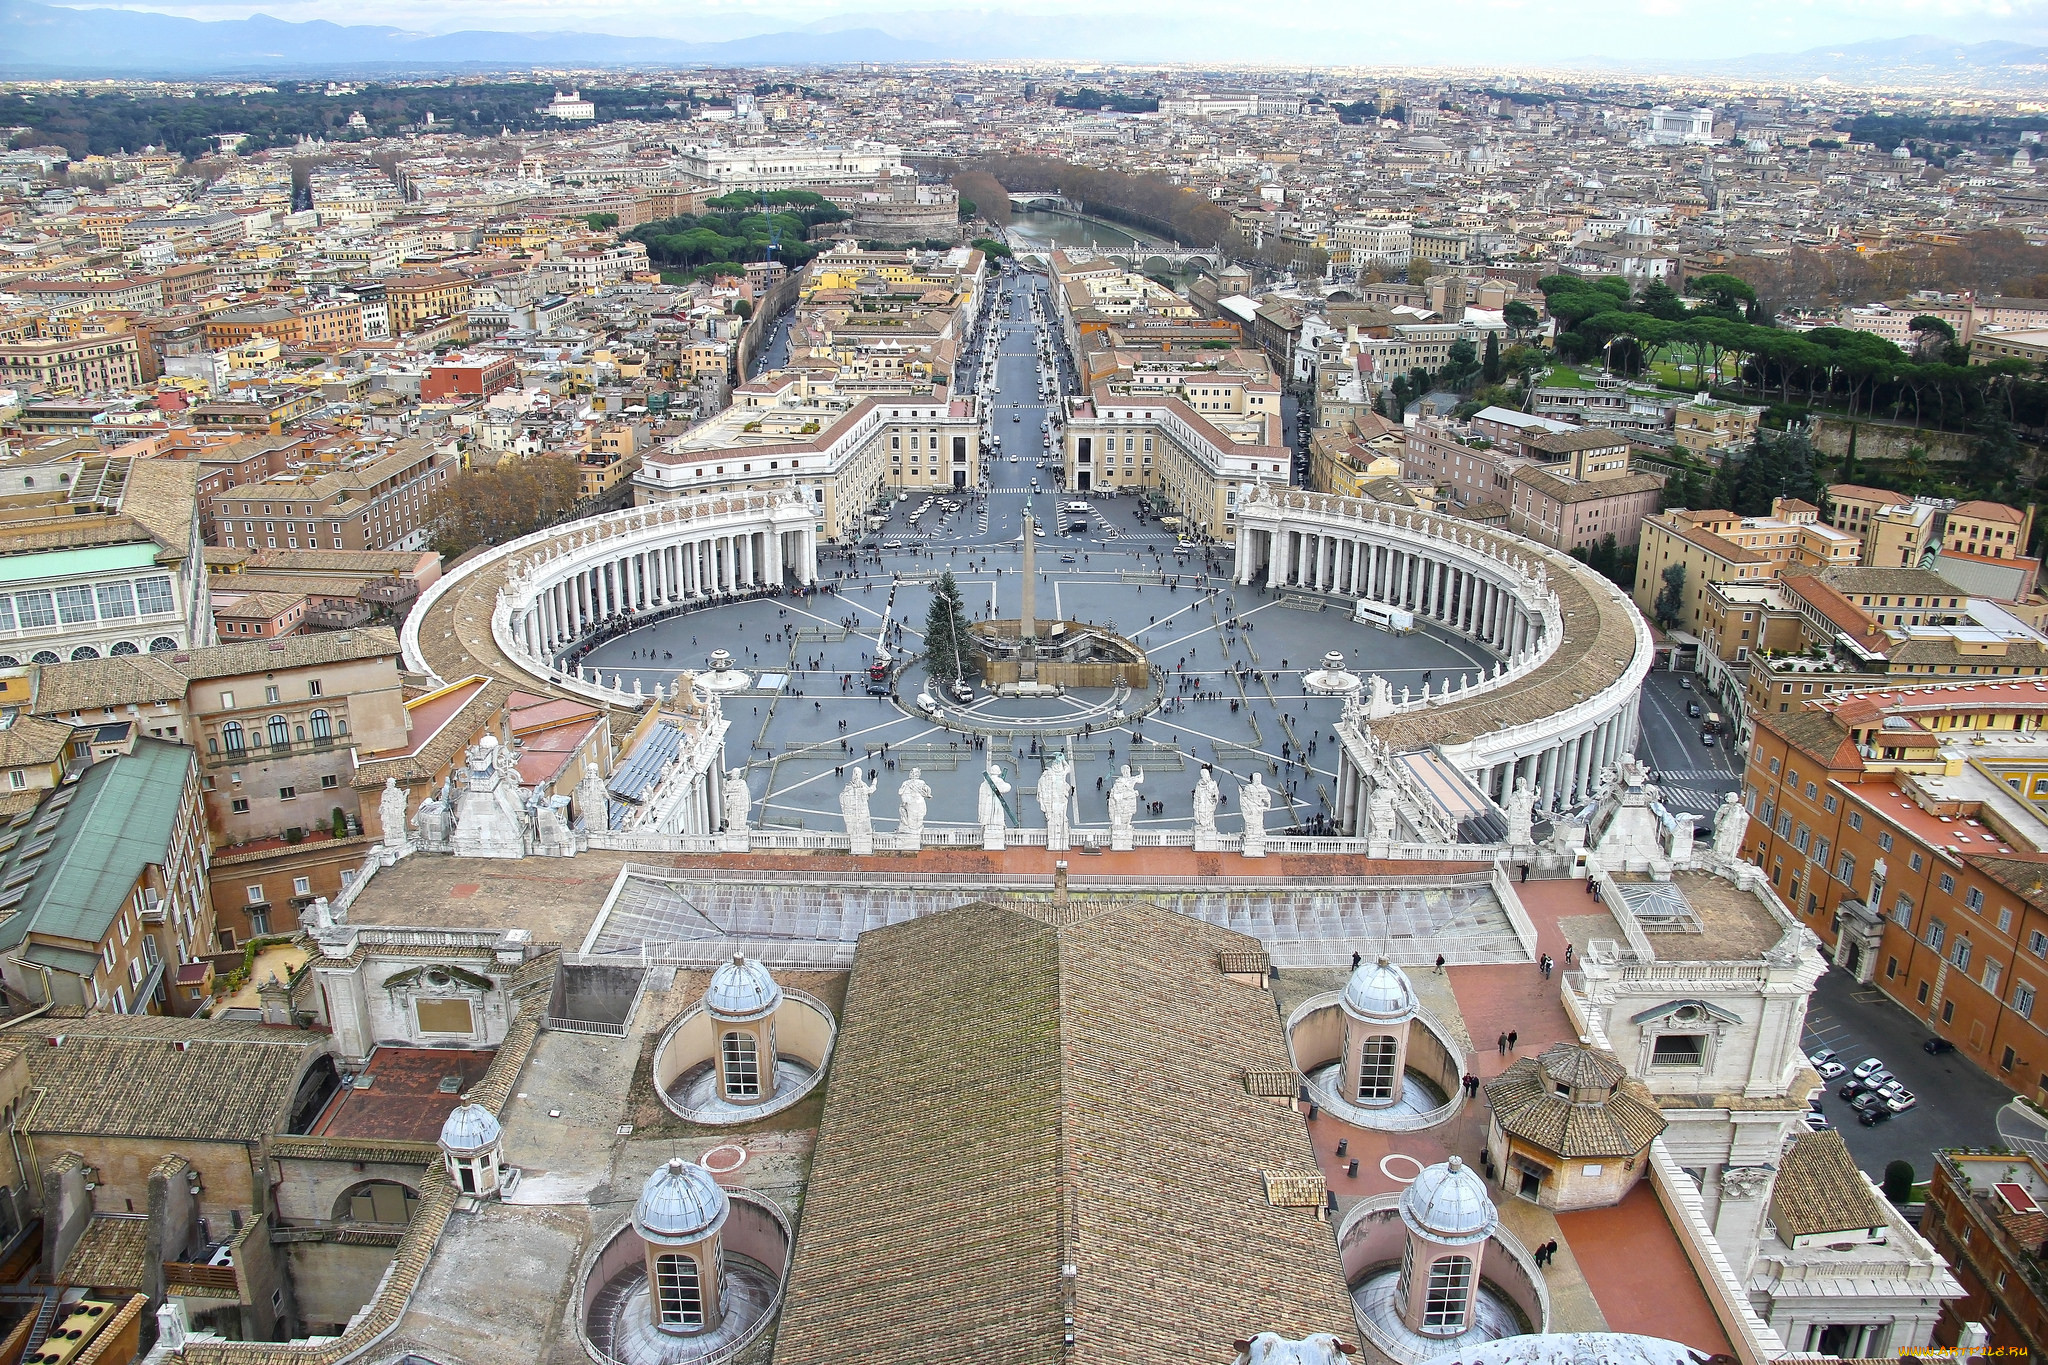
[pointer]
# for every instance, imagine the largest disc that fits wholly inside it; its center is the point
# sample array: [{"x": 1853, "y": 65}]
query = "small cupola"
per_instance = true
[
  {"x": 681, "y": 1213},
  {"x": 470, "y": 1141}
]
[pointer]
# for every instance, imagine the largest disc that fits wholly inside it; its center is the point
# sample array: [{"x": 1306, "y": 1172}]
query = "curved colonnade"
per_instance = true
[
  {"x": 518, "y": 607},
  {"x": 1572, "y": 650}
]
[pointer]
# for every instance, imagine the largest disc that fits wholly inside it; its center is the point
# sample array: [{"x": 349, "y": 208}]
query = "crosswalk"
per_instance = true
[
  {"x": 1691, "y": 799},
  {"x": 1697, "y": 774}
]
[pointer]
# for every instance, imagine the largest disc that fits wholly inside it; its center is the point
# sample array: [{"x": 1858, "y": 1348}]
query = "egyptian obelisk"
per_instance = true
[{"x": 1027, "y": 620}]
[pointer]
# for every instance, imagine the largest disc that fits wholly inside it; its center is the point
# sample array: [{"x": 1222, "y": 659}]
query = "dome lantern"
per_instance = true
[{"x": 469, "y": 1142}]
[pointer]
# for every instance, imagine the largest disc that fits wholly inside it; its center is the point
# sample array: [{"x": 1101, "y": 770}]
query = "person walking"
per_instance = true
[
  {"x": 1439, "y": 964},
  {"x": 1356, "y": 957},
  {"x": 1512, "y": 1036},
  {"x": 1525, "y": 872},
  {"x": 1567, "y": 954},
  {"x": 1502, "y": 1044}
]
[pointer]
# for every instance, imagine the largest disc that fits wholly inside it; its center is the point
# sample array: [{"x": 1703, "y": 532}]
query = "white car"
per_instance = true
[
  {"x": 1866, "y": 1067},
  {"x": 1829, "y": 1069},
  {"x": 1038, "y": 531}
]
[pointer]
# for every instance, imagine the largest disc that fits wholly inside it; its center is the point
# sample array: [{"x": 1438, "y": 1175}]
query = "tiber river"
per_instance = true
[{"x": 1040, "y": 230}]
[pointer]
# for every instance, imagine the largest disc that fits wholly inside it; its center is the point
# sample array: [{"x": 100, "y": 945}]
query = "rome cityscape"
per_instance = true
[{"x": 578, "y": 789}]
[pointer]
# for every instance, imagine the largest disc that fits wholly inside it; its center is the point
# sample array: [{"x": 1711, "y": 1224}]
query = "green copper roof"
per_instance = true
[
  {"x": 32, "y": 568},
  {"x": 76, "y": 856}
]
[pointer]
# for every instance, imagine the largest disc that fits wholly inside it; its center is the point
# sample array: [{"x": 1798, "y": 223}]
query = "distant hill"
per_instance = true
[
  {"x": 54, "y": 40},
  {"x": 1919, "y": 60},
  {"x": 45, "y": 40}
]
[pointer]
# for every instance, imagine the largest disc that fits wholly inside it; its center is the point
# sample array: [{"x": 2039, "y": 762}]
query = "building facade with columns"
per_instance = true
[
  {"x": 1554, "y": 710},
  {"x": 843, "y": 451},
  {"x": 549, "y": 594}
]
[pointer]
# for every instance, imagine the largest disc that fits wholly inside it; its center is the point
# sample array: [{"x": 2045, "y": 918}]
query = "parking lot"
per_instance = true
[{"x": 1958, "y": 1103}]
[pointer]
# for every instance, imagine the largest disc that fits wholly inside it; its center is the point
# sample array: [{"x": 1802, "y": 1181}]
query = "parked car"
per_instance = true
[
  {"x": 1937, "y": 1046},
  {"x": 1899, "y": 1099},
  {"x": 1851, "y": 1088},
  {"x": 1817, "y": 1123},
  {"x": 1817, "y": 1059},
  {"x": 1866, "y": 1066},
  {"x": 1830, "y": 1069},
  {"x": 1870, "y": 1110}
]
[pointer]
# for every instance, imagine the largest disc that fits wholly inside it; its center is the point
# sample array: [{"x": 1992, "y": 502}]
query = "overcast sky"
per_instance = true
[{"x": 1447, "y": 32}]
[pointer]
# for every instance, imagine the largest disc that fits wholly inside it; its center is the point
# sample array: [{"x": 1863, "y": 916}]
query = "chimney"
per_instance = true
[{"x": 1059, "y": 882}]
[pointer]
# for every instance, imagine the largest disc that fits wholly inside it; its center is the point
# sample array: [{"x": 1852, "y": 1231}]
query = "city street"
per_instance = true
[{"x": 1695, "y": 777}]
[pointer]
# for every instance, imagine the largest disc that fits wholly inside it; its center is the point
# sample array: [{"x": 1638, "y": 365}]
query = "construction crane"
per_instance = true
[{"x": 878, "y": 667}]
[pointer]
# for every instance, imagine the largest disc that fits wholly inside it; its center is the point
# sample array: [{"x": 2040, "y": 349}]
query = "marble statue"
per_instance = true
[
  {"x": 853, "y": 808},
  {"x": 989, "y": 806},
  {"x": 431, "y": 821},
  {"x": 1379, "y": 815},
  {"x": 1207, "y": 797},
  {"x": 1731, "y": 822},
  {"x": 1253, "y": 801},
  {"x": 593, "y": 802},
  {"x": 736, "y": 801},
  {"x": 1123, "y": 810},
  {"x": 1055, "y": 789},
  {"x": 391, "y": 816},
  {"x": 1521, "y": 814},
  {"x": 911, "y": 800},
  {"x": 551, "y": 835},
  {"x": 1380, "y": 702}
]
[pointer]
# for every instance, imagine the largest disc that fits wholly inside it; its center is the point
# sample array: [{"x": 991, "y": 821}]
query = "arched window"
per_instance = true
[
  {"x": 323, "y": 728},
  {"x": 681, "y": 1295},
  {"x": 123, "y": 648},
  {"x": 163, "y": 644},
  {"x": 231, "y": 736},
  {"x": 280, "y": 732},
  {"x": 1376, "y": 1068},
  {"x": 84, "y": 652},
  {"x": 44, "y": 656},
  {"x": 742, "y": 1067},
  {"x": 9, "y": 661},
  {"x": 1450, "y": 1290}
]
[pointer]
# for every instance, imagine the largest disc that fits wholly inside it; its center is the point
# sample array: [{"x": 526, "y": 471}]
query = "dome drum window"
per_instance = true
[{"x": 747, "y": 1049}]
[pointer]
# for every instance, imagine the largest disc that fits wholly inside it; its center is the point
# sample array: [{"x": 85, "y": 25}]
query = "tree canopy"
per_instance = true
[{"x": 496, "y": 503}]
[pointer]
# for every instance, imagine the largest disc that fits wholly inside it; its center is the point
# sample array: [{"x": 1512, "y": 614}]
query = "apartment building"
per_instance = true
[
  {"x": 76, "y": 365},
  {"x": 1706, "y": 424},
  {"x": 1369, "y": 243},
  {"x": 1984, "y": 1217},
  {"x": 458, "y": 377},
  {"x": 1909, "y": 827},
  {"x": 375, "y": 503},
  {"x": 328, "y": 326},
  {"x": 411, "y": 300},
  {"x": 105, "y": 885},
  {"x": 1896, "y": 530},
  {"x": 1568, "y": 487},
  {"x": 1989, "y": 530},
  {"x": 1717, "y": 546}
]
